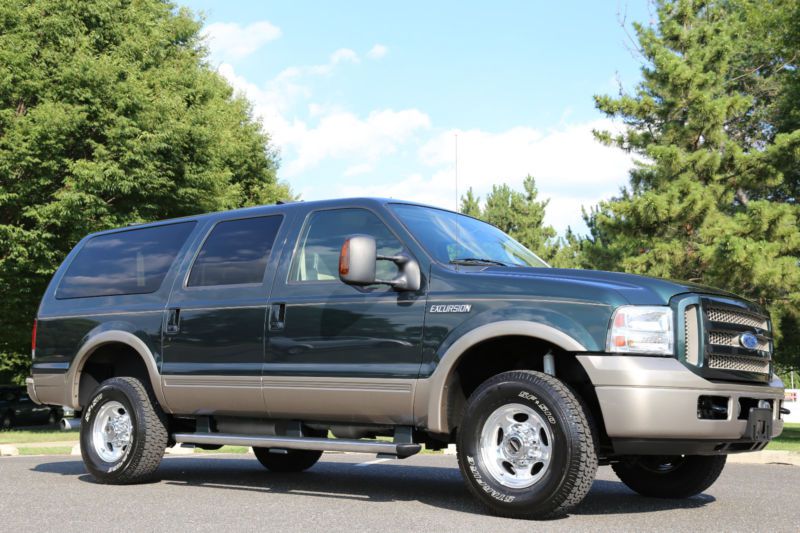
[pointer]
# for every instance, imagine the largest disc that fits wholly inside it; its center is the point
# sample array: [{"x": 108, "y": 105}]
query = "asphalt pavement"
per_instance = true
[{"x": 353, "y": 492}]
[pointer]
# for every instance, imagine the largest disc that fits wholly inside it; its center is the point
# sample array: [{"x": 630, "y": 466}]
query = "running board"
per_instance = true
[{"x": 399, "y": 450}]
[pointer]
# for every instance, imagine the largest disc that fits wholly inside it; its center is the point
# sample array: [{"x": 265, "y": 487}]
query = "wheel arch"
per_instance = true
[
  {"x": 108, "y": 340},
  {"x": 432, "y": 398}
]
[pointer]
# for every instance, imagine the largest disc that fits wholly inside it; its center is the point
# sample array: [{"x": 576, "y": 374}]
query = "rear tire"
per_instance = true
[
  {"x": 7, "y": 422},
  {"x": 670, "y": 477},
  {"x": 123, "y": 433},
  {"x": 525, "y": 446},
  {"x": 292, "y": 461}
]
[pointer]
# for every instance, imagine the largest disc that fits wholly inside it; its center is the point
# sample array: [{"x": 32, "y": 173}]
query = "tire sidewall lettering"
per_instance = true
[
  {"x": 488, "y": 489},
  {"x": 540, "y": 401},
  {"x": 101, "y": 398},
  {"x": 547, "y": 413},
  {"x": 91, "y": 407}
]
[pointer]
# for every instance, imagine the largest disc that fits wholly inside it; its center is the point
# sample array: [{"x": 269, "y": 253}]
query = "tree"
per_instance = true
[
  {"x": 470, "y": 204},
  {"x": 109, "y": 115},
  {"x": 521, "y": 215},
  {"x": 714, "y": 197}
]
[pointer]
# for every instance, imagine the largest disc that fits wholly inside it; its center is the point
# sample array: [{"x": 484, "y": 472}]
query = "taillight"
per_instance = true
[{"x": 33, "y": 339}]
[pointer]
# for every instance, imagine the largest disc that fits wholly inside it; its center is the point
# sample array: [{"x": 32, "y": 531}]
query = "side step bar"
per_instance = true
[{"x": 400, "y": 450}]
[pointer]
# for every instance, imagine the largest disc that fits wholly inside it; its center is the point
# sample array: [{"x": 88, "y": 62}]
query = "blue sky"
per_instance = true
[{"x": 367, "y": 98}]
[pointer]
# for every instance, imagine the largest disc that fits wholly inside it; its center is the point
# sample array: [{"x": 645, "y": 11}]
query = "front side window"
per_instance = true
[
  {"x": 457, "y": 239},
  {"x": 317, "y": 255},
  {"x": 126, "y": 262},
  {"x": 236, "y": 252}
]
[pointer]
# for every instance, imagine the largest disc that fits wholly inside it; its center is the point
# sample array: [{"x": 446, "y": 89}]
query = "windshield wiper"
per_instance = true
[{"x": 476, "y": 261}]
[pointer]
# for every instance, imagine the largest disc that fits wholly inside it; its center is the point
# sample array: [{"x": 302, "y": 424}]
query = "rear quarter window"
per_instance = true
[{"x": 127, "y": 262}]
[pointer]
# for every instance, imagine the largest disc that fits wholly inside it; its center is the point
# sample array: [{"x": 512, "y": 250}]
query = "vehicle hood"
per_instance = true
[{"x": 635, "y": 289}]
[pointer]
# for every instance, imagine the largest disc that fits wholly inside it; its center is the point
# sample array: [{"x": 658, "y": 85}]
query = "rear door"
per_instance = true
[{"x": 214, "y": 323}]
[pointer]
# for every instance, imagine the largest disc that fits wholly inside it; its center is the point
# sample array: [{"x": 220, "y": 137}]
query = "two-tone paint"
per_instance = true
[{"x": 325, "y": 350}]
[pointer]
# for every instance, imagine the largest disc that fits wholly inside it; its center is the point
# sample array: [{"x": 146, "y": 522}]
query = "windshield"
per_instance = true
[{"x": 458, "y": 239}]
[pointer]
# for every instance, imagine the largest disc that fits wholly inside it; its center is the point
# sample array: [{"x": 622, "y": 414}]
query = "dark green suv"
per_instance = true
[{"x": 316, "y": 326}]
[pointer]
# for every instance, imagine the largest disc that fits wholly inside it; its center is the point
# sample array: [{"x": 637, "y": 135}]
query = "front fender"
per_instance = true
[{"x": 430, "y": 400}]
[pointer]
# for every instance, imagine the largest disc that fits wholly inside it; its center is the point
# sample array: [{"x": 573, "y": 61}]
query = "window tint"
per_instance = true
[
  {"x": 236, "y": 252},
  {"x": 127, "y": 262},
  {"x": 317, "y": 257}
]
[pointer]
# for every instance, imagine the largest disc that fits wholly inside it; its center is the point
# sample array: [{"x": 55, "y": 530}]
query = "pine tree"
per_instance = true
[
  {"x": 713, "y": 198},
  {"x": 470, "y": 204},
  {"x": 519, "y": 214},
  {"x": 109, "y": 115}
]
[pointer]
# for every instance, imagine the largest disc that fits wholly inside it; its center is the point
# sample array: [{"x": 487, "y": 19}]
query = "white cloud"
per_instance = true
[
  {"x": 230, "y": 42},
  {"x": 360, "y": 168},
  {"x": 333, "y": 133},
  {"x": 344, "y": 135},
  {"x": 567, "y": 156},
  {"x": 377, "y": 52},
  {"x": 344, "y": 55},
  {"x": 571, "y": 169}
]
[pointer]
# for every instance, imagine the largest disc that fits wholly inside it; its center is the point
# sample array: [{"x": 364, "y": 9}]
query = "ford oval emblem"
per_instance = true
[{"x": 748, "y": 340}]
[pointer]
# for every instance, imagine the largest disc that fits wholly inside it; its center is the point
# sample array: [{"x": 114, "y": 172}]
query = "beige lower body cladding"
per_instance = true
[{"x": 656, "y": 398}]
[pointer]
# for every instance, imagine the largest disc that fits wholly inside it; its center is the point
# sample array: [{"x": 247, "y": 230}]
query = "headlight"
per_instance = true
[{"x": 641, "y": 329}]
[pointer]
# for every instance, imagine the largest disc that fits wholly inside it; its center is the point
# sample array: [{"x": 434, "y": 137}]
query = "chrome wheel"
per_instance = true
[
  {"x": 516, "y": 446},
  {"x": 112, "y": 432}
]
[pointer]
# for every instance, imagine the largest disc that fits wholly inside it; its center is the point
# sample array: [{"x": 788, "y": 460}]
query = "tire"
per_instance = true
[
  {"x": 7, "y": 422},
  {"x": 141, "y": 435},
  {"x": 539, "y": 465},
  {"x": 292, "y": 461},
  {"x": 670, "y": 477},
  {"x": 52, "y": 419}
]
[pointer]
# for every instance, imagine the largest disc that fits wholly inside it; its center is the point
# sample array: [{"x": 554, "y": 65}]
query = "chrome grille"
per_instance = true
[
  {"x": 722, "y": 338},
  {"x": 743, "y": 318},
  {"x": 725, "y": 323},
  {"x": 756, "y": 365},
  {"x": 691, "y": 339}
]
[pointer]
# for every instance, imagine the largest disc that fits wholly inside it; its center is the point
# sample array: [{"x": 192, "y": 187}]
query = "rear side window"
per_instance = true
[
  {"x": 236, "y": 252},
  {"x": 127, "y": 262}
]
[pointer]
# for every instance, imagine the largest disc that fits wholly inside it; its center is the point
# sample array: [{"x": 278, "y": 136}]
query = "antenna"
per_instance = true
[
  {"x": 458, "y": 222},
  {"x": 457, "y": 209}
]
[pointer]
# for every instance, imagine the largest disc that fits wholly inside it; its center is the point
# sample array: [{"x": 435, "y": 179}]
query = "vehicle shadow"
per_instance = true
[{"x": 436, "y": 486}]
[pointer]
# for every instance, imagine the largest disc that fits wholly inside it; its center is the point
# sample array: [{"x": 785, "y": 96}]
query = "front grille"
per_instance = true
[
  {"x": 713, "y": 329},
  {"x": 721, "y": 338},
  {"x": 755, "y": 365},
  {"x": 729, "y": 316}
]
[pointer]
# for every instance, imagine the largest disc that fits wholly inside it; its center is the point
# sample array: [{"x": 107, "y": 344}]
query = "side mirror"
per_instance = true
[{"x": 358, "y": 259}]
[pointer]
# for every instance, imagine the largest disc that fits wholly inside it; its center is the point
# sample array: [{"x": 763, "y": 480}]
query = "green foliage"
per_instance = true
[
  {"x": 521, "y": 215},
  {"x": 109, "y": 115},
  {"x": 714, "y": 197}
]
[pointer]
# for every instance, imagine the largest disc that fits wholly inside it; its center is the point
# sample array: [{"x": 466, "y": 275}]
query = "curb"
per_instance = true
[
  {"x": 6, "y": 450},
  {"x": 766, "y": 457},
  {"x": 179, "y": 450}
]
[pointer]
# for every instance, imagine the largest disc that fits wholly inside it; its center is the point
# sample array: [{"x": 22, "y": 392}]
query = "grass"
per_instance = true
[
  {"x": 225, "y": 449},
  {"x": 25, "y": 436},
  {"x": 789, "y": 439},
  {"x": 45, "y": 450}
]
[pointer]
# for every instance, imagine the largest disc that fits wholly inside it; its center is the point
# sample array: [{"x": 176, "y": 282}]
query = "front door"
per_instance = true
[
  {"x": 337, "y": 351},
  {"x": 214, "y": 324}
]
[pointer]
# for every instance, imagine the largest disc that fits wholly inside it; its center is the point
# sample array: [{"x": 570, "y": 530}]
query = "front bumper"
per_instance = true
[
  {"x": 654, "y": 400},
  {"x": 32, "y": 390}
]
